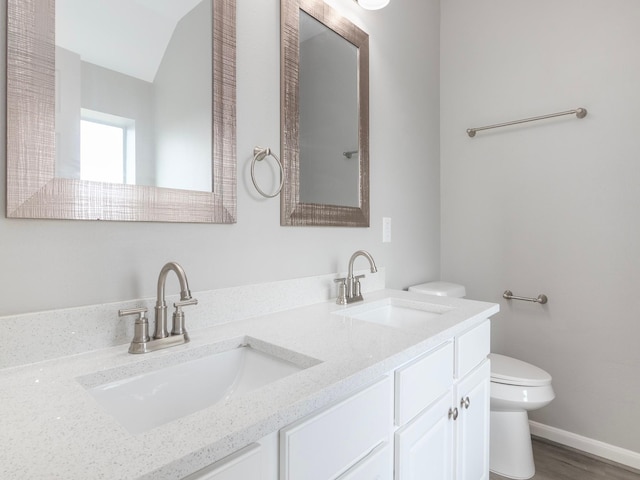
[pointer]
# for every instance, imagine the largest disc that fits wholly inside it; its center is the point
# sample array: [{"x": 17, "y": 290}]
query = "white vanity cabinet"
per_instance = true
[
  {"x": 427, "y": 419},
  {"x": 449, "y": 437}
]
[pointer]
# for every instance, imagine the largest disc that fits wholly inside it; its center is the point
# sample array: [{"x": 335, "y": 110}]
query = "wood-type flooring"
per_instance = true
[{"x": 555, "y": 462}]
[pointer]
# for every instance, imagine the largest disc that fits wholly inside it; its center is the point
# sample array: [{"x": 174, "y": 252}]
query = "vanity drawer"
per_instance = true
[
  {"x": 378, "y": 465},
  {"x": 327, "y": 444},
  {"x": 246, "y": 463},
  {"x": 472, "y": 348},
  {"x": 422, "y": 382}
]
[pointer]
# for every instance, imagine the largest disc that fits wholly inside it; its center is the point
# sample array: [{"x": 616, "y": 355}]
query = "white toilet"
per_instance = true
[{"x": 516, "y": 388}]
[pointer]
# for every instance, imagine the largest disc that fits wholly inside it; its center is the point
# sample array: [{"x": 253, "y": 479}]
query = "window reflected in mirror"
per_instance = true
[{"x": 103, "y": 155}]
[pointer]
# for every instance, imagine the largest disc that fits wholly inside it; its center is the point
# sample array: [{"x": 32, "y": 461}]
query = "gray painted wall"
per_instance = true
[
  {"x": 550, "y": 207},
  {"x": 53, "y": 264}
]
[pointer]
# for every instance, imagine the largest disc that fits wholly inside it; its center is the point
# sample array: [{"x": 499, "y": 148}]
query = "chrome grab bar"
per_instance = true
[
  {"x": 542, "y": 298},
  {"x": 578, "y": 112}
]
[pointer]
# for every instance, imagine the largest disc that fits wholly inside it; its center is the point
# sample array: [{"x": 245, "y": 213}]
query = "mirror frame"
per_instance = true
[
  {"x": 292, "y": 210},
  {"x": 33, "y": 190}
]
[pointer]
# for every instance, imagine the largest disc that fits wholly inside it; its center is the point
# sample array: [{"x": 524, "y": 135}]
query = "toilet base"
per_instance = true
[{"x": 511, "y": 453}]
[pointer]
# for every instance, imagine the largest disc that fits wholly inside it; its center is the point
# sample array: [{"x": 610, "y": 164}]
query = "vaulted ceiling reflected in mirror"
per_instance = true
[
  {"x": 325, "y": 117},
  {"x": 121, "y": 110}
]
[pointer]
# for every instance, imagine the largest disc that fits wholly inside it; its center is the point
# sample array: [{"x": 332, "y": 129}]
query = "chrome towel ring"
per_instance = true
[{"x": 259, "y": 154}]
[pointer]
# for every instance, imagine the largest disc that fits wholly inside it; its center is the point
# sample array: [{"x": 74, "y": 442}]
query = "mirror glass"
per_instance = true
[
  {"x": 328, "y": 89},
  {"x": 133, "y": 92},
  {"x": 324, "y": 112},
  {"x": 121, "y": 110}
]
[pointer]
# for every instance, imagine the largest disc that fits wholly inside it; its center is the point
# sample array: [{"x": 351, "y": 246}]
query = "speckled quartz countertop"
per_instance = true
[{"x": 53, "y": 428}]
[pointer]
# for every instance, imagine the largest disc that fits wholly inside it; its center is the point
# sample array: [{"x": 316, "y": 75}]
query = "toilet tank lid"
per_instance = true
[
  {"x": 442, "y": 289},
  {"x": 512, "y": 371}
]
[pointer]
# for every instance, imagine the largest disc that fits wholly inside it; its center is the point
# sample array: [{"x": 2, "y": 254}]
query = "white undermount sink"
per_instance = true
[
  {"x": 396, "y": 312},
  {"x": 147, "y": 400}
]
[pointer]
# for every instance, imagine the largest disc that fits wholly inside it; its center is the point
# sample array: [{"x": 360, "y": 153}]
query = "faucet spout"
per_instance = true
[
  {"x": 364, "y": 254},
  {"x": 353, "y": 293},
  {"x": 161, "y": 304},
  {"x": 185, "y": 293}
]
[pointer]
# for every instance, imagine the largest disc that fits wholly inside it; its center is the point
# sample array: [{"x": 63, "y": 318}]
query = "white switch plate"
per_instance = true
[{"x": 386, "y": 229}]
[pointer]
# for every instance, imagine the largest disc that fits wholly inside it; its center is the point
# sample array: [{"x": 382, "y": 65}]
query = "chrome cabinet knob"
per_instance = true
[{"x": 465, "y": 402}]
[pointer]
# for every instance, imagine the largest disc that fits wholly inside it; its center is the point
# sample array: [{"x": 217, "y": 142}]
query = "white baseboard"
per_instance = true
[{"x": 588, "y": 445}]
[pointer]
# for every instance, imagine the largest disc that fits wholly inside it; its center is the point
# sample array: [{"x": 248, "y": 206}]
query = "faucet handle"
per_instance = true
[
  {"x": 141, "y": 327},
  {"x": 184, "y": 303},
  {"x": 342, "y": 291},
  {"x": 123, "y": 312},
  {"x": 178, "y": 316}
]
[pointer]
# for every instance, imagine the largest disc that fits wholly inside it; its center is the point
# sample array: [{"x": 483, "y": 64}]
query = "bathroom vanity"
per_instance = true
[{"x": 395, "y": 386}]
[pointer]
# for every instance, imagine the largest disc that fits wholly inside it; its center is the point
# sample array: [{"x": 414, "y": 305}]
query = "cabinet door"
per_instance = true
[
  {"x": 472, "y": 426},
  {"x": 424, "y": 447}
]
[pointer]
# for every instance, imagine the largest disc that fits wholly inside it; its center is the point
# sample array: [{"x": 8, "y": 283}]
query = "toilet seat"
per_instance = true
[{"x": 510, "y": 371}]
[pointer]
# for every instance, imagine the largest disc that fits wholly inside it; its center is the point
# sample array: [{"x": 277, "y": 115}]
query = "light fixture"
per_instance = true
[{"x": 372, "y": 4}]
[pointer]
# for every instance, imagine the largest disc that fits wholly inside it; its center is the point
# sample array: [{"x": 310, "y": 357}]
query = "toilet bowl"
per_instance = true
[{"x": 516, "y": 388}]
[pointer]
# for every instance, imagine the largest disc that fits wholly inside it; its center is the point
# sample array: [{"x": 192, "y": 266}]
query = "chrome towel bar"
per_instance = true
[
  {"x": 578, "y": 112},
  {"x": 542, "y": 298}
]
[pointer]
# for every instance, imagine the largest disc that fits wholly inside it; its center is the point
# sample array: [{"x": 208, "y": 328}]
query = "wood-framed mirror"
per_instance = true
[
  {"x": 36, "y": 186},
  {"x": 324, "y": 117}
]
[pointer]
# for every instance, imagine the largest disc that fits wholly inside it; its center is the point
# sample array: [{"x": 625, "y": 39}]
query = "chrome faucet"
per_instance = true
[
  {"x": 161, "y": 305},
  {"x": 162, "y": 339},
  {"x": 349, "y": 288}
]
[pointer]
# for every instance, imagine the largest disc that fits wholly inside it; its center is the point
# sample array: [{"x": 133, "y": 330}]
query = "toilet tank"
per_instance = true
[{"x": 442, "y": 289}]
